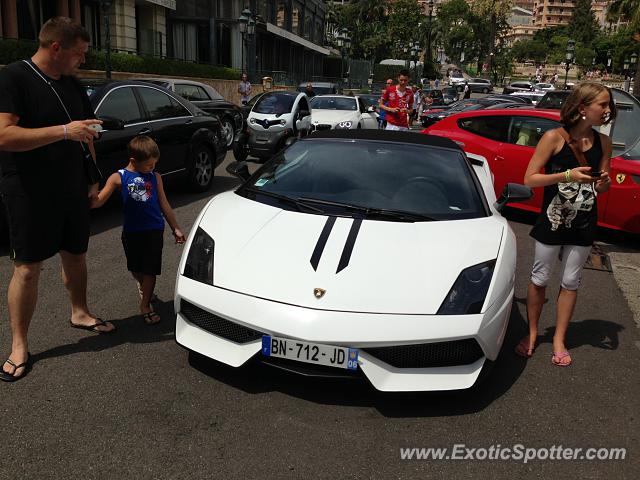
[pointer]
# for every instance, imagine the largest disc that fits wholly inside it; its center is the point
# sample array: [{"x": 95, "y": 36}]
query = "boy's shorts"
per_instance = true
[
  {"x": 143, "y": 251},
  {"x": 39, "y": 228}
]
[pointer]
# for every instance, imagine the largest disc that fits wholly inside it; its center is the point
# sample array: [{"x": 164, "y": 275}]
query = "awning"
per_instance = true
[
  {"x": 296, "y": 39},
  {"x": 165, "y": 3}
]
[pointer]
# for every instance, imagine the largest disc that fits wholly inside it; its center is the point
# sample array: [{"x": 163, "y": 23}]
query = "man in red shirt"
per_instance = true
[{"x": 397, "y": 101}]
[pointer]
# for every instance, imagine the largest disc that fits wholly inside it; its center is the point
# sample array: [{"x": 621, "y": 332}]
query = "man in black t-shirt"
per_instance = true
[{"x": 43, "y": 183}]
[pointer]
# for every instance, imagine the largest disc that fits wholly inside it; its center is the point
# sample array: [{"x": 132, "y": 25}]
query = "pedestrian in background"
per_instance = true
[
  {"x": 309, "y": 90},
  {"x": 576, "y": 160},
  {"x": 382, "y": 114},
  {"x": 466, "y": 90},
  {"x": 46, "y": 120},
  {"x": 397, "y": 101},
  {"x": 244, "y": 89},
  {"x": 145, "y": 207}
]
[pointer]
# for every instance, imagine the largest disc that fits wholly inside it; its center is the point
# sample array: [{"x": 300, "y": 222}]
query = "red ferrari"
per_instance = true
[{"x": 507, "y": 139}]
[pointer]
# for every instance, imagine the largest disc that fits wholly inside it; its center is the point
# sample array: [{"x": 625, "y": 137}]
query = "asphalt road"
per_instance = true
[{"x": 131, "y": 405}]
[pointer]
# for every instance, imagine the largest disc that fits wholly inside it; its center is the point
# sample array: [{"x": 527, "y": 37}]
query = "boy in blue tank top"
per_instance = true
[{"x": 145, "y": 210}]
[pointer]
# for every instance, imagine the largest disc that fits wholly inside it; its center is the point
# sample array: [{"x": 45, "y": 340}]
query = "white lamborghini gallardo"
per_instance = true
[{"x": 361, "y": 253}]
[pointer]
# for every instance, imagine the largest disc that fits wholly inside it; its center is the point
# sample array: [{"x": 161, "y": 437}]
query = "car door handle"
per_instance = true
[
  {"x": 499, "y": 158},
  {"x": 144, "y": 131},
  {"x": 189, "y": 122}
]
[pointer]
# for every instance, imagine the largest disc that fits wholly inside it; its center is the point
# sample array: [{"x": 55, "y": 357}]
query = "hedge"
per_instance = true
[{"x": 12, "y": 50}]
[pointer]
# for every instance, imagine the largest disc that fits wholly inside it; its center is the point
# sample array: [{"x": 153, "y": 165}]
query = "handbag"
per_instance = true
[{"x": 91, "y": 170}]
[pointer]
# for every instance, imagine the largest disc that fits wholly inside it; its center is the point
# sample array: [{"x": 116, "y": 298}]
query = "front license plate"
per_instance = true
[{"x": 329, "y": 355}]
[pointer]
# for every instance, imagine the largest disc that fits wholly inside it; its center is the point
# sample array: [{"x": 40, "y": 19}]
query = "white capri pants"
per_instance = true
[{"x": 573, "y": 258}]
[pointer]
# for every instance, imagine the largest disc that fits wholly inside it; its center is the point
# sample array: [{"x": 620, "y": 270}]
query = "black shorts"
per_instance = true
[
  {"x": 40, "y": 227},
  {"x": 143, "y": 251}
]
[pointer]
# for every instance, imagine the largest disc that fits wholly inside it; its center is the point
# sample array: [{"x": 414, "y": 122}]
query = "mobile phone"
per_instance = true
[
  {"x": 595, "y": 173},
  {"x": 96, "y": 127}
]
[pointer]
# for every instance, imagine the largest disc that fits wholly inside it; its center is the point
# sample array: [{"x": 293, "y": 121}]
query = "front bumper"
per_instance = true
[
  {"x": 266, "y": 143},
  {"x": 243, "y": 319}
]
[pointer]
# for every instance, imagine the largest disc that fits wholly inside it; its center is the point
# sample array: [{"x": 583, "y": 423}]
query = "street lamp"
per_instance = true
[
  {"x": 571, "y": 46},
  {"x": 428, "y": 57},
  {"x": 106, "y": 5},
  {"x": 247, "y": 25},
  {"x": 344, "y": 43}
]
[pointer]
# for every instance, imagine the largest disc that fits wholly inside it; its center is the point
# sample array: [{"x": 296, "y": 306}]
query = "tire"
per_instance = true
[
  {"x": 200, "y": 170},
  {"x": 485, "y": 90},
  {"x": 240, "y": 150},
  {"x": 228, "y": 132}
]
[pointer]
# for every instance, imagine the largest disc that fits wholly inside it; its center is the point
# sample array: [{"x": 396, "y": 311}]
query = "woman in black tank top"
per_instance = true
[{"x": 569, "y": 215}]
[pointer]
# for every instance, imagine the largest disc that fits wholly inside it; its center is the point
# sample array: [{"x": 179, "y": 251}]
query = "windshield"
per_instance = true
[
  {"x": 333, "y": 103},
  {"x": 275, "y": 103},
  {"x": 364, "y": 177},
  {"x": 553, "y": 100}
]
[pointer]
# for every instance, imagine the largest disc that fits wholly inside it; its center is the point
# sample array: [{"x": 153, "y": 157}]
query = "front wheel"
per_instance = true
[
  {"x": 485, "y": 90},
  {"x": 201, "y": 165},
  {"x": 227, "y": 132},
  {"x": 240, "y": 149}
]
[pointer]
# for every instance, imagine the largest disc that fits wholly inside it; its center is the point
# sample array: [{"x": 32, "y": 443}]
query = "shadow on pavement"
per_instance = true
[
  {"x": 596, "y": 333},
  {"x": 257, "y": 378},
  {"x": 129, "y": 330}
]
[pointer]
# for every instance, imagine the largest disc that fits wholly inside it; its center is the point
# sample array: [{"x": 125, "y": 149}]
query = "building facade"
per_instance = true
[
  {"x": 288, "y": 37},
  {"x": 136, "y": 26}
]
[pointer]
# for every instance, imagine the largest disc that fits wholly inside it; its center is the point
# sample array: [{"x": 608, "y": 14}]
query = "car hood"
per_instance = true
[
  {"x": 333, "y": 116},
  {"x": 393, "y": 267}
]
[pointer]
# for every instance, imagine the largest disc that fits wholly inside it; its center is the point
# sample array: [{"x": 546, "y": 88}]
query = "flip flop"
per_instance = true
[
  {"x": 523, "y": 350},
  {"x": 148, "y": 318},
  {"x": 10, "y": 377},
  {"x": 557, "y": 358},
  {"x": 93, "y": 328}
]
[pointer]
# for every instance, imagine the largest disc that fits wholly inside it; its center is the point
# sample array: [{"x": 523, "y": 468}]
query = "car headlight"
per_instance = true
[
  {"x": 469, "y": 290},
  {"x": 346, "y": 124},
  {"x": 199, "y": 265},
  {"x": 283, "y": 122}
]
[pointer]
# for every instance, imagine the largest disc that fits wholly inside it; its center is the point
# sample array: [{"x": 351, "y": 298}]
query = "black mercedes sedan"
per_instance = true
[
  {"x": 207, "y": 98},
  {"x": 190, "y": 139}
]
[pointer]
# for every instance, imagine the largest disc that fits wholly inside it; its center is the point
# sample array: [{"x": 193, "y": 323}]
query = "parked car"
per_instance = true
[
  {"x": 507, "y": 139},
  {"x": 553, "y": 99},
  {"x": 272, "y": 120},
  {"x": 341, "y": 111},
  {"x": 456, "y": 78},
  {"x": 450, "y": 95},
  {"x": 521, "y": 86},
  {"x": 302, "y": 246},
  {"x": 533, "y": 96},
  {"x": 431, "y": 117},
  {"x": 207, "y": 98},
  {"x": 545, "y": 87},
  {"x": 190, "y": 139},
  {"x": 320, "y": 88},
  {"x": 479, "y": 85},
  {"x": 436, "y": 94}
]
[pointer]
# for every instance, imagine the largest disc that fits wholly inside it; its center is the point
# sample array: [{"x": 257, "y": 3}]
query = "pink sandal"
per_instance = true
[{"x": 558, "y": 357}]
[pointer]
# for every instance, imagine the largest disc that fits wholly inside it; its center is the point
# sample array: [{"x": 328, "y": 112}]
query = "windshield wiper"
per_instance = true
[
  {"x": 292, "y": 201},
  {"x": 368, "y": 211}
]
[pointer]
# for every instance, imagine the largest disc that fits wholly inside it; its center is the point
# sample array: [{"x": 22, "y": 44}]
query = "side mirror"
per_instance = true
[
  {"x": 111, "y": 123},
  {"x": 239, "y": 169},
  {"x": 513, "y": 192}
]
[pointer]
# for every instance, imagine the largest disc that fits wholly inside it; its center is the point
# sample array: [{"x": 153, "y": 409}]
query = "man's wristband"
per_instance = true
[{"x": 64, "y": 129}]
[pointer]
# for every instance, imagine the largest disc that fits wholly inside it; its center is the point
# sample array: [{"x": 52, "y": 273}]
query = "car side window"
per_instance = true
[
  {"x": 160, "y": 105},
  {"x": 121, "y": 103},
  {"x": 191, "y": 92},
  {"x": 527, "y": 131},
  {"x": 494, "y": 128}
]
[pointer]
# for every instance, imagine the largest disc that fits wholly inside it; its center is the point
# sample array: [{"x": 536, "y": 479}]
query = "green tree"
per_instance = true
[
  {"x": 404, "y": 18},
  {"x": 529, "y": 49},
  {"x": 583, "y": 27},
  {"x": 452, "y": 27}
]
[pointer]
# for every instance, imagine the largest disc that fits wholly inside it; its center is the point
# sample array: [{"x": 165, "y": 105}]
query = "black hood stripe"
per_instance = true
[
  {"x": 322, "y": 242},
  {"x": 348, "y": 247}
]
